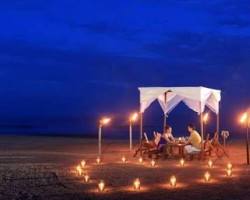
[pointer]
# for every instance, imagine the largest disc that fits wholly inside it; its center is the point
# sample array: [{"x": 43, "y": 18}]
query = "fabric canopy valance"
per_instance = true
[{"x": 196, "y": 98}]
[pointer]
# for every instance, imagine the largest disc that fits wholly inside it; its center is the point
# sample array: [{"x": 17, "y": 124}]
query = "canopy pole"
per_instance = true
[
  {"x": 141, "y": 126},
  {"x": 218, "y": 120},
  {"x": 165, "y": 114},
  {"x": 202, "y": 134}
]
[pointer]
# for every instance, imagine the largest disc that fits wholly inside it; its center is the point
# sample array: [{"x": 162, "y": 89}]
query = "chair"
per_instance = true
[
  {"x": 217, "y": 148},
  {"x": 149, "y": 148}
]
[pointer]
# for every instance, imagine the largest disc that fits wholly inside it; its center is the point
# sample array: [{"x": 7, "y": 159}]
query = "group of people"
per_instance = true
[{"x": 192, "y": 144}]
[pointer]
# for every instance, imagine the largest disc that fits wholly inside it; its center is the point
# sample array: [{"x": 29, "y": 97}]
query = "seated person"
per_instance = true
[
  {"x": 167, "y": 135},
  {"x": 169, "y": 138},
  {"x": 194, "y": 141}
]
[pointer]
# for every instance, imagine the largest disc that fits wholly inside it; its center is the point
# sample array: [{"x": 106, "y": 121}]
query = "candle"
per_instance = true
[
  {"x": 229, "y": 166},
  {"x": 98, "y": 160},
  {"x": 207, "y": 177},
  {"x": 83, "y": 163},
  {"x": 152, "y": 163},
  {"x": 86, "y": 178},
  {"x": 123, "y": 159},
  {"x": 137, "y": 184},
  {"x": 172, "y": 181},
  {"x": 101, "y": 186},
  {"x": 182, "y": 162},
  {"x": 210, "y": 163},
  {"x": 79, "y": 170},
  {"x": 140, "y": 160},
  {"x": 229, "y": 172}
]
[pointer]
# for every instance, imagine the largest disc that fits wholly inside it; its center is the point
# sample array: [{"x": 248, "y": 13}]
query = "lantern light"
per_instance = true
[
  {"x": 133, "y": 117},
  {"x": 101, "y": 186},
  {"x": 207, "y": 177},
  {"x": 243, "y": 118},
  {"x": 205, "y": 117},
  {"x": 105, "y": 121},
  {"x": 137, "y": 184},
  {"x": 172, "y": 181}
]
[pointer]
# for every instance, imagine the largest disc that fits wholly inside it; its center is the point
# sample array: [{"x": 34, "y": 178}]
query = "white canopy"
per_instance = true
[{"x": 196, "y": 98}]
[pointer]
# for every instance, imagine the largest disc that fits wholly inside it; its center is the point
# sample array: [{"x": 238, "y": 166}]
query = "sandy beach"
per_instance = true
[{"x": 33, "y": 167}]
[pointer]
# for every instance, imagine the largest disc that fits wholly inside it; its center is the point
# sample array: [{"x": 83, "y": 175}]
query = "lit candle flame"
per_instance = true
[
  {"x": 207, "y": 176},
  {"x": 229, "y": 172},
  {"x": 229, "y": 166},
  {"x": 140, "y": 160},
  {"x": 79, "y": 170},
  {"x": 83, "y": 163},
  {"x": 123, "y": 159},
  {"x": 210, "y": 163},
  {"x": 137, "y": 184},
  {"x": 152, "y": 163},
  {"x": 98, "y": 160},
  {"x": 172, "y": 181},
  {"x": 101, "y": 186},
  {"x": 86, "y": 178},
  {"x": 182, "y": 162}
]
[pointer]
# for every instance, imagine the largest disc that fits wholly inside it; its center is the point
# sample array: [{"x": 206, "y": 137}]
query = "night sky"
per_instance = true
[{"x": 63, "y": 64}]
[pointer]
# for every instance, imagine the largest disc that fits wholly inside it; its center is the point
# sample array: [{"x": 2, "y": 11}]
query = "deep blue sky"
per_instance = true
[{"x": 65, "y": 63}]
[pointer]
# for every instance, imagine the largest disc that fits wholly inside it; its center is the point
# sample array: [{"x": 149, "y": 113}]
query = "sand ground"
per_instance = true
[{"x": 42, "y": 168}]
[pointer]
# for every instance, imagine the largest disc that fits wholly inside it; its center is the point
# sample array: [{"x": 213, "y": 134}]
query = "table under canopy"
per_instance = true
[{"x": 196, "y": 98}]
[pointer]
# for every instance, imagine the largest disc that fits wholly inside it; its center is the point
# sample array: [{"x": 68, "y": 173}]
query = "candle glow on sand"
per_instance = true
[
  {"x": 207, "y": 176},
  {"x": 98, "y": 160},
  {"x": 210, "y": 163},
  {"x": 83, "y": 163},
  {"x": 79, "y": 170},
  {"x": 101, "y": 186},
  {"x": 172, "y": 181},
  {"x": 152, "y": 163},
  {"x": 137, "y": 184},
  {"x": 123, "y": 159},
  {"x": 182, "y": 162},
  {"x": 229, "y": 172},
  {"x": 86, "y": 178},
  {"x": 229, "y": 166}
]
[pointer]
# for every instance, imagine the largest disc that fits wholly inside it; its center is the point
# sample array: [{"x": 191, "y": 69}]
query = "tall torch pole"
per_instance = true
[
  {"x": 130, "y": 136},
  {"x": 245, "y": 120},
  {"x": 102, "y": 122},
  {"x": 132, "y": 119},
  {"x": 247, "y": 142},
  {"x": 100, "y": 140}
]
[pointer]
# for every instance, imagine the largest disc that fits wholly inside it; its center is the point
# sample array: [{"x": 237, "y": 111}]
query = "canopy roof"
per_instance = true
[{"x": 196, "y": 98}]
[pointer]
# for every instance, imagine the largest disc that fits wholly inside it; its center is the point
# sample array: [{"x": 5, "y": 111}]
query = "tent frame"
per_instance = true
[{"x": 166, "y": 115}]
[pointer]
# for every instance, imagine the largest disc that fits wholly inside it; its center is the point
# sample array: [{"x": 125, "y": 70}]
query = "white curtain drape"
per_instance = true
[{"x": 196, "y": 98}]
